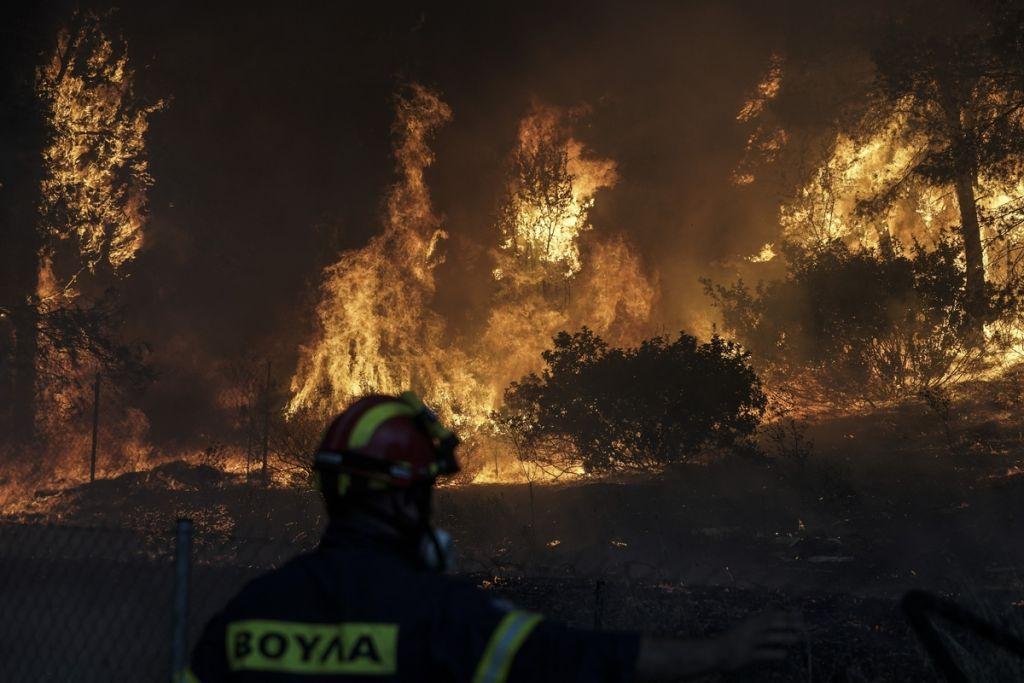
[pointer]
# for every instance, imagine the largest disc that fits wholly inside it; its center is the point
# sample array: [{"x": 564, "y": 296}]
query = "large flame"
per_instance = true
[{"x": 377, "y": 331}]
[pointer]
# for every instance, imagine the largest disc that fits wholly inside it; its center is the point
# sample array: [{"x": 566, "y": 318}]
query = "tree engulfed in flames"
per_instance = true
[
  {"x": 377, "y": 331},
  {"x": 91, "y": 208},
  {"x": 92, "y": 213},
  {"x": 544, "y": 285},
  {"x": 96, "y": 182},
  {"x": 842, "y": 198},
  {"x": 550, "y": 192},
  {"x": 874, "y": 187}
]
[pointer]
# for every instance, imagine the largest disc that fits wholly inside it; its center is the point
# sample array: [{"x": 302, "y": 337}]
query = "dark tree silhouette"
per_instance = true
[
  {"x": 606, "y": 409},
  {"x": 29, "y": 30}
]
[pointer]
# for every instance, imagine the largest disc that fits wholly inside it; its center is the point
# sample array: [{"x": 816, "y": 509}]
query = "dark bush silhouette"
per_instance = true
[
  {"x": 863, "y": 324},
  {"x": 606, "y": 409}
]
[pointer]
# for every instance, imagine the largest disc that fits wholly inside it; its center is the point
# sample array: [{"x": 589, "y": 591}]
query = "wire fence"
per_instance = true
[
  {"x": 90, "y": 604},
  {"x": 84, "y": 604},
  {"x": 98, "y": 604}
]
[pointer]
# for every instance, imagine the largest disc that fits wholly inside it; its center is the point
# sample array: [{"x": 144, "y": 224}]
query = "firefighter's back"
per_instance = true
[{"x": 347, "y": 611}]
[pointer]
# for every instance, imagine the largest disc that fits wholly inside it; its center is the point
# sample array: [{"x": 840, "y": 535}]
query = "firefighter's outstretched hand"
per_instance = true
[
  {"x": 763, "y": 638},
  {"x": 759, "y": 640}
]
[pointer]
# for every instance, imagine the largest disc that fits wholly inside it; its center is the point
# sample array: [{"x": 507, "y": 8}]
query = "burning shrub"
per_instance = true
[
  {"x": 603, "y": 408},
  {"x": 856, "y": 323}
]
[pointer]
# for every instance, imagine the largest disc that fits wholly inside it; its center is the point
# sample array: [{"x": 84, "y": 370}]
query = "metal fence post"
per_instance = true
[
  {"x": 95, "y": 427},
  {"x": 182, "y": 565}
]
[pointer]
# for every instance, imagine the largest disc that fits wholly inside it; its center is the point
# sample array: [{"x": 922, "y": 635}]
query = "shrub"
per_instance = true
[
  {"x": 604, "y": 409},
  {"x": 862, "y": 324}
]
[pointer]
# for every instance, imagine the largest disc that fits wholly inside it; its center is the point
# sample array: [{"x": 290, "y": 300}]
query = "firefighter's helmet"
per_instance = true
[{"x": 384, "y": 442}]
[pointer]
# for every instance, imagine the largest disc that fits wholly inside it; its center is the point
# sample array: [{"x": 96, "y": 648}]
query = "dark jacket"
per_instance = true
[{"x": 360, "y": 608}]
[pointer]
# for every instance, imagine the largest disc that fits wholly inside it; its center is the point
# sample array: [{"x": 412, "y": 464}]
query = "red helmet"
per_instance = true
[{"x": 386, "y": 442}]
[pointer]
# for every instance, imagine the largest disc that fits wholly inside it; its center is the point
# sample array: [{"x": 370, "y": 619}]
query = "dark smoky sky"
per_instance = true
[{"x": 274, "y": 153}]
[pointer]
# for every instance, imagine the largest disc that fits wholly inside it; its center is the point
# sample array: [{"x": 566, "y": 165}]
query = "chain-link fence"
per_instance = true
[{"x": 84, "y": 604}]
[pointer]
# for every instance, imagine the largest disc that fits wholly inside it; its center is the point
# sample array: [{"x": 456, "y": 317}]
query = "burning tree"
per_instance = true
[
  {"x": 917, "y": 185},
  {"x": 75, "y": 182},
  {"x": 930, "y": 139},
  {"x": 548, "y": 279},
  {"x": 960, "y": 99},
  {"x": 548, "y": 195}
]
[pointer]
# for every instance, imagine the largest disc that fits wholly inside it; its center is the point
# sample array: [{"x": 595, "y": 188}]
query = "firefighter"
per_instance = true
[{"x": 371, "y": 602}]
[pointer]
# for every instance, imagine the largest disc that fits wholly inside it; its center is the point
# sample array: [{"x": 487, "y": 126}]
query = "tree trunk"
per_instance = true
[
  {"x": 885, "y": 245},
  {"x": 965, "y": 174},
  {"x": 33, "y": 31},
  {"x": 23, "y": 376},
  {"x": 970, "y": 231}
]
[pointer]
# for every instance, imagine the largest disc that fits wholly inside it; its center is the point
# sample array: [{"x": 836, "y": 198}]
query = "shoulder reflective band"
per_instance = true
[
  {"x": 372, "y": 418},
  {"x": 503, "y": 646},
  {"x": 359, "y": 649}
]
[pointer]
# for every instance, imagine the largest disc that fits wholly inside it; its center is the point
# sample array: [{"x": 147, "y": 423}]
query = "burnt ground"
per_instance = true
[
  {"x": 837, "y": 524},
  {"x": 848, "y": 637}
]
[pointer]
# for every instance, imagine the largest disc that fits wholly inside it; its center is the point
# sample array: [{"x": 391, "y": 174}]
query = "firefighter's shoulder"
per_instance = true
[{"x": 282, "y": 589}]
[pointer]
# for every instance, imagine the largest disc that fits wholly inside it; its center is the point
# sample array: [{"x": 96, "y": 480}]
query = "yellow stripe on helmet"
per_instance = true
[{"x": 368, "y": 423}]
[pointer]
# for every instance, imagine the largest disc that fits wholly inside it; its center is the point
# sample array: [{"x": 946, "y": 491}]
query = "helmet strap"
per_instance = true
[{"x": 411, "y": 529}]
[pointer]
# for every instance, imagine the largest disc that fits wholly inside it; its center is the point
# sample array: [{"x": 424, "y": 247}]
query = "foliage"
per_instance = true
[
  {"x": 539, "y": 217},
  {"x": 94, "y": 190},
  {"x": 79, "y": 337},
  {"x": 855, "y": 323},
  {"x": 293, "y": 440},
  {"x": 928, "y": 137},
  {"x": 602, "y": 408}
]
